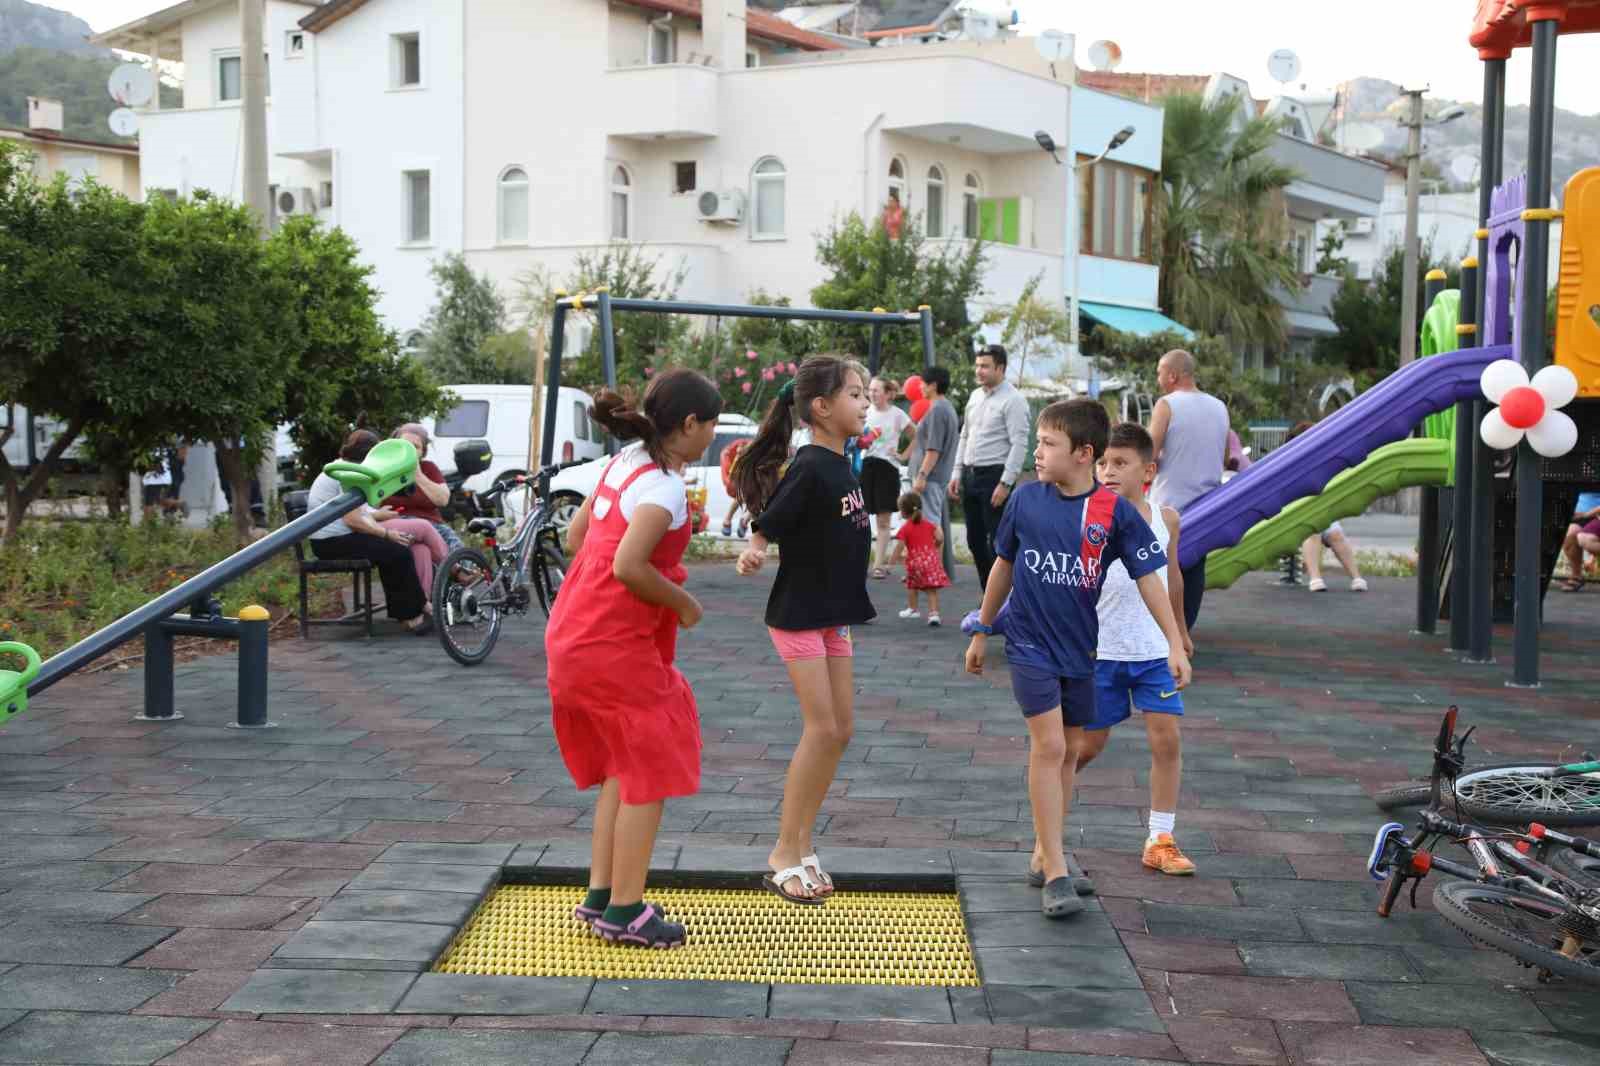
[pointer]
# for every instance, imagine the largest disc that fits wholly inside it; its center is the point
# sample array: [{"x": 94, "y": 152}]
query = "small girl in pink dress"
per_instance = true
[{"x": 920, "y": 545}]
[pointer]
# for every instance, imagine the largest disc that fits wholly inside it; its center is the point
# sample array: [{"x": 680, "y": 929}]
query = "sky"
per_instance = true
[{"x": 1408, "y": 41}]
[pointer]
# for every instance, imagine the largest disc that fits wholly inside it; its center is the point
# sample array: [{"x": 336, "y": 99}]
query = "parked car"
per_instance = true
[{"x": 500, "y": 414}]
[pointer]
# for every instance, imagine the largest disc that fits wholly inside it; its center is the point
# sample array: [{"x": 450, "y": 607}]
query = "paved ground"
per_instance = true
[{"x": 156, "y": 880}]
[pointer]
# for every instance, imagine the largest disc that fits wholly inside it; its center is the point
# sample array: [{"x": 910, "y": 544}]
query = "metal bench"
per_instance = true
[{"x": 360, "y": 571}]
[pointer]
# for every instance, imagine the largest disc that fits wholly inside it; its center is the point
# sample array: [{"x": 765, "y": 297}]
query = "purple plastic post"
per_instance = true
[{"x": 1506, "y": 230}]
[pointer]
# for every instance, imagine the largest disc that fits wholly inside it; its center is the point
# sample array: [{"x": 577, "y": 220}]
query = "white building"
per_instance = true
[{"x": 524, "y": 134}]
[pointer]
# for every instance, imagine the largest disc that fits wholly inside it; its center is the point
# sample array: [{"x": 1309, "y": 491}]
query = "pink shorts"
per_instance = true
[{"x": 795, "y": 645}]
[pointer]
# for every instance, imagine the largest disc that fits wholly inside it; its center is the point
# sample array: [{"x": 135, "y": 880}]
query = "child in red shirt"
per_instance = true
[{"x": 920, "y": 545}]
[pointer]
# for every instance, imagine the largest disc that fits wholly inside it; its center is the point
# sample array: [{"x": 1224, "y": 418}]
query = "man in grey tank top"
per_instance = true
[{"x": 1190, "y": 431}]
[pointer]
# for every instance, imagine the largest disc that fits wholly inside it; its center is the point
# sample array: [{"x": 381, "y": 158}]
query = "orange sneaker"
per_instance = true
[{"x": 1162, "y": 854}]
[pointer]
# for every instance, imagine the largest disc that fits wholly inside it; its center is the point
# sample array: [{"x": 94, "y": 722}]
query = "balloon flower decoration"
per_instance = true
[
  {"x": 913, "y": 388},
  {"x": 1529, "y": 408}
]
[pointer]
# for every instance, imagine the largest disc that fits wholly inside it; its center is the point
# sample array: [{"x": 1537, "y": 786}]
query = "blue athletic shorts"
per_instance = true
[
  {"x": 1148, "y": 685},
  {"x": 1039, "y": 690}
]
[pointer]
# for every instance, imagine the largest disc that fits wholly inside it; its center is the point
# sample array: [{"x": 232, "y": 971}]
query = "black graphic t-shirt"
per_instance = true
[{"x": 819, "y": 521}]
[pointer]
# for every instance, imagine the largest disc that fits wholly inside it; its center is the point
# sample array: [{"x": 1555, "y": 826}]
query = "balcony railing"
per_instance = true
[{"x": 669, "y": 100}]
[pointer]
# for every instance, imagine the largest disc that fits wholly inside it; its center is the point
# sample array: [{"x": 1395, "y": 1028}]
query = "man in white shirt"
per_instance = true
[{"x": 994, "y": 442}]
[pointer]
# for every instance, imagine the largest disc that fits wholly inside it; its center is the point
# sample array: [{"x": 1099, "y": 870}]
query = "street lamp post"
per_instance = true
[
  {"x": 1072, "y": 239},
  {"x": 1414, "y": 124}
]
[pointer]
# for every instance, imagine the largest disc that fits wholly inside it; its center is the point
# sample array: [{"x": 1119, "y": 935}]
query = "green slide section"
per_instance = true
[
  {"x": 1421, "y": 461},
  {"x": 1439, "y": 335}
]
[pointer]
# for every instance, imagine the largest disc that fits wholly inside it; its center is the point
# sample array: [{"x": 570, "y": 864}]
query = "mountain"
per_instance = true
[{"x": 25, "y": 25}]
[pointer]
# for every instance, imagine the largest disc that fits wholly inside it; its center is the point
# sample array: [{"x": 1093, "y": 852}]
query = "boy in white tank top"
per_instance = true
[{"x": 1131, "y": 660}]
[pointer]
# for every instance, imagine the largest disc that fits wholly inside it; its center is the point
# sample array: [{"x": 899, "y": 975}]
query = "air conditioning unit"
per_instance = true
[
  {"x": 301, "y": 201},
  {"x": 724, "y": 206},
  {"x": 1361, "y": 225}
]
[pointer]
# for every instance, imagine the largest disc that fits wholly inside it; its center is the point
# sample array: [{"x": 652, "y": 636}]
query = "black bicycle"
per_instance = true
[
  {"x": 1531, "y": 893},
  {"x": 473, "y": 590}
]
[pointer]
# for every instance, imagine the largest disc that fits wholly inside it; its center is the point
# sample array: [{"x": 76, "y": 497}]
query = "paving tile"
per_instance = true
[
  {"x": 92, "y": 988},
  {"x": 1271, "y": 999},
  {"x": 1222, "y": 923},
  {"x": 86, "y": 944},
  {"x": 629, "y": 1049},
  {"x": 487, "y": 1047},
  {"x": 1122, "y": 1043},
  {"x": 195, "y": 877},
  {"x": 449, "y": 993},
  {"x": 63, "y": 875},
  {"x": 200, "y": 994},
  {"x": 1309, "y": 895},
  {"x": 75, "y": 1036},
  {"x": 1179, "y": 955},
  {"x": 978, "y": 1036},
  {"x": 284, "y": 854},
  {"x": 357, "y": 941},
  {"x": 1311, "y": 1044},
  {"x": 1444, "y": 1006},
  {"x": 459, "y": 854},
  {"x": 1044, "y": 1058},
  {"x": 426, "y": 877},
  {"x": 1536, "y": 1049},
  {"x": 164, "y": 850},
  {"x": 299, "y": 883},
  {"x": 1076, "y": 967},
  {"x": 1468, "y": 966},
  {"x": 243, "y": 1041},
  {"x": 213, "y": 949},
  {"x": 1335, "y": 962},
  {"x": 9, "y": 1016},
  {"x": 720, "y": 999},
  {"x": 1572, "y": 1009},
  {"x": 1355, "y": 927},
  {"x": 1090, "y": 928},
  {"x": 320, "y": 992},
  {"x": 860, "y": 1003},
  {"x": 438, "y": 908},
  {"x": 835, "y": 1053},
  {"x": 46, "y": 848},
  {"x": 213, "y": 911},
  {"x": 1071, "y": 1007}
]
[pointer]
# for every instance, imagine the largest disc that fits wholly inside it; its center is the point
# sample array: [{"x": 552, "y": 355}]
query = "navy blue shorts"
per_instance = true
[
  {"x": 1147, "y": 686},
  {"x": 1039, "y": 690}
]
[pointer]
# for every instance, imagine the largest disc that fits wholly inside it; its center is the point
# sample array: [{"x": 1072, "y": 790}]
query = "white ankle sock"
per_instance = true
[{"x": 1161, "y": 822}]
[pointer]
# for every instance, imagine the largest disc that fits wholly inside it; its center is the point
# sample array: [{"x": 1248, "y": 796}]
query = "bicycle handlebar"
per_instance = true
[{"x": 517, "y": 481}]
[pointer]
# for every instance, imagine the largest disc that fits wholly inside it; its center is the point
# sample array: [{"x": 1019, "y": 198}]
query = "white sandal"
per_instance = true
[
  {"x": 814, "y": 863},
  {"x": 775, "y": 882}
]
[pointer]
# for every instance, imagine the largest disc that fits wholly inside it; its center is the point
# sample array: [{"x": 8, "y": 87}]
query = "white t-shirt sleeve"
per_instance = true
[{"x": 666, "y": 491}]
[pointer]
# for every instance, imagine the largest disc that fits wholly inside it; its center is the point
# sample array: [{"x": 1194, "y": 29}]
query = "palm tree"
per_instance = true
[{"x": 1220, "y": 221}]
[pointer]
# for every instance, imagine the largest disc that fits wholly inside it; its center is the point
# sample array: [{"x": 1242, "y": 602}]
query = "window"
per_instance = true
[
  {"x": 1302, "y": 253},
  {"x": 969, "y": 207},
  {"x": 294, "y": 44},
  {"x": 663, "y": 44},
  {"x": 467, "y": 419},
  {"x": 229, "y": 77},
  {"x": 1116, "y": 211},
  {"x": 416, "y": 190},
  {"x": 580, "y": 420},
  {"x": 897, "y": 182},
  {"x": 325, "y": 195},
  {"x": 752, "y": 58},
  {"x": 683, "y": 178},
  {"x": 405, "y": 61},
  {"x": 768, "y": 180},
  {"x": 933, "y": 217},
  {"x": 79, "y": 167},
  {"x": 169, "y": 195},
  {"x": 514, "y": 204},
  {"x": 621, "y": 202}
]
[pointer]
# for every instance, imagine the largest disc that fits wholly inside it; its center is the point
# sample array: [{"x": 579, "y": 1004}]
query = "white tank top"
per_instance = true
[{"x": 1128, "y": 632}]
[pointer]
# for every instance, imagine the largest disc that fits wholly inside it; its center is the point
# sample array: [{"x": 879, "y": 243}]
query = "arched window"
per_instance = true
[
  {"x": 933, "y": 214},
  {"x": 897, "y": 183},
  {"x": 768, "y": 191},
  {"x": 969, "y": 207},
  {"x": 513, "y": 204},
  {"x": 621, "y": 202}
]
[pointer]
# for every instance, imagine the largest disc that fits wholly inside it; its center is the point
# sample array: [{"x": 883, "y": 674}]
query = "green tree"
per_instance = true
[
  {"x": 1367, "y": 314},
  {"x": 1329, "y": 260},
  {"x": 1219, "y": 221},
  {"x": 1031, "y": 325},
  {"x": 869, "y": 269},
  {"x": 348, "y": 369},
  {"x": 468, "y": 312},
  {"x": 1133, "y": 358}
]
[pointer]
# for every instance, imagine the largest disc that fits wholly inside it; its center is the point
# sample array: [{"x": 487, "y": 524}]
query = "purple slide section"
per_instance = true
[{"x": 1385, "y": 413}]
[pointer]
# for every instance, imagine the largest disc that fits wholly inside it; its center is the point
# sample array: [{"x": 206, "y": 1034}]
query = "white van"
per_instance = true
[{"x": 500, "y": 414}]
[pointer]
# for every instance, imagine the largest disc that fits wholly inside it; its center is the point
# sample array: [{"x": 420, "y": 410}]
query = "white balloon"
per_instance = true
[
  {"x": 1554, "y": 435},
  {"x": 1500, "y": 377},
  {"x": 1496, "y": 433},
  {"x": 1557, "y": 384}
]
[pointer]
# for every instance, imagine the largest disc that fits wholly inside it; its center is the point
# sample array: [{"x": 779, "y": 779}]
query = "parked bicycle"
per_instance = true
[
  {"x": 1530, "y": 893},
  {"x": 473, "y": 590},
  {"x": 1515, "y": 793}
]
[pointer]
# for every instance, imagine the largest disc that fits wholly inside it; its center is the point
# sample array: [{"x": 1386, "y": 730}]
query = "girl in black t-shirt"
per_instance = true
[{"x": 815, "y": 512}]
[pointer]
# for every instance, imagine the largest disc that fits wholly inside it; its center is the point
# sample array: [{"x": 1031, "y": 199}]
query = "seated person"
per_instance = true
[
  {"x": 429, "y": 493},
  {"x": 1332, "y": 537},
  {"x": 1583, "y": 535},
  {"x": 358, "y": 536}
]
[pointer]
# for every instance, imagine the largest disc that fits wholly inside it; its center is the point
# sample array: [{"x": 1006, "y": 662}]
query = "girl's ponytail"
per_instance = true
[
  {"x": 755, "y": 472},
  {"x": 672, "y": 397}
]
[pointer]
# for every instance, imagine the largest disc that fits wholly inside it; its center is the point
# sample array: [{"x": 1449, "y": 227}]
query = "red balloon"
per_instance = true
[
  {"x": 1522, "y": 407},
  {"x": 912, "y": 388},
  {"x": 920, "y": 408}
]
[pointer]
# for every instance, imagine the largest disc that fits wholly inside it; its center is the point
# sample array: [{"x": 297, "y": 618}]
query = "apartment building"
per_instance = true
[{"x": 112, "y": 163}]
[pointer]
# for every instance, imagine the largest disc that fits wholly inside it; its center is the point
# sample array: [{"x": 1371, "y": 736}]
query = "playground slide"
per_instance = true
[
  {"x": 1392, "y": 467},
  {"x": 1384, "y": 413}
]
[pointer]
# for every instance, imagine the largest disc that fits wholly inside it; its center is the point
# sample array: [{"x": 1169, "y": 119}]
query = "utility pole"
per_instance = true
[
  {"x": 1408, "y": 281},
  {"x": 253, "y": 139}
]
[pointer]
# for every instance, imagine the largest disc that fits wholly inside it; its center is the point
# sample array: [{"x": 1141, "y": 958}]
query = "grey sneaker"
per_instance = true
[
  {"x": 1081, "y": 884},
  {"x": 1058, "y": 900}
]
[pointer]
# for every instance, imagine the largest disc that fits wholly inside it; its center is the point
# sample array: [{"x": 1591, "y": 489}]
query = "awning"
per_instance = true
[
  {"x": 1305, "y": 323},
  {"x": 1140, "y": 321}
]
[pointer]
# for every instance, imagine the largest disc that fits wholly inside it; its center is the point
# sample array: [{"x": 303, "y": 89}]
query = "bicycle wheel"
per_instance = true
[
  {"x": 1580, "y": 868},
  {"x": 1517, "y": 795},
  {"x": 465, "y": 611},
  {"x": 549, "y": 570},
  {"x": 1523, "y": 926}
]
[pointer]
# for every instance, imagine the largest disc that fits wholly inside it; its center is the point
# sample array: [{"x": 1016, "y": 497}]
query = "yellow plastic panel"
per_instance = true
[
  {"x": 857, "y": 938},
  {"x": 1578, "y": 290}
]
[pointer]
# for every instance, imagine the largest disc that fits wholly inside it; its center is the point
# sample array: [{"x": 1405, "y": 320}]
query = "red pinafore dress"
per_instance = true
[{"x": 620, "y": 708}]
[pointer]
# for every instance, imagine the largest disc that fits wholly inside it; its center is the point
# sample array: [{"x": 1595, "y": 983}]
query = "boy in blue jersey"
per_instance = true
[{"x": 1055, "y": 540}]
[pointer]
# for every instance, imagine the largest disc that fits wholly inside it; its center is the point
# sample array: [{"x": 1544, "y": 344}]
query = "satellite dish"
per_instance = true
[
  {"x": 1464, "y": 168},
  {"x": 1284, "y": 66},
  {"x": 123, "y": 122},
  {"x": 1054, "y": 45},
  {"x": 1363, "y": 136},
  {"x": 1105, "y": 55},
  {"x": 131, "y": 85},
  {"x": 979, "y": 25}
]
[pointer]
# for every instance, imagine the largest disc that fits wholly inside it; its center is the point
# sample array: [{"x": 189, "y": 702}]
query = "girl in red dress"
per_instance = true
[
  {"x": 920, "y": 544},
  {"x": 623, "y": 714}
]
